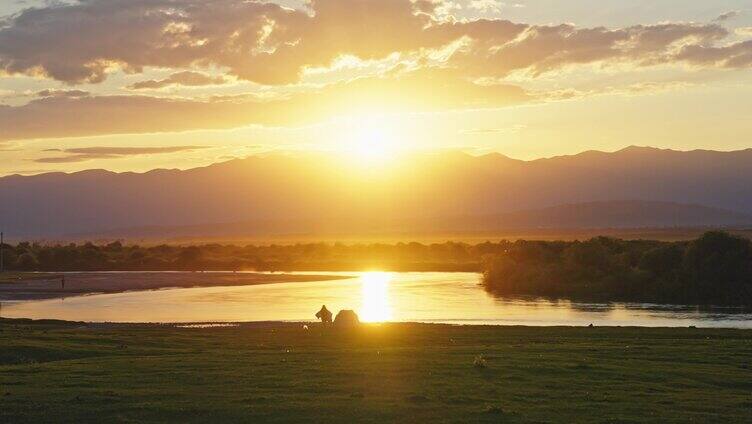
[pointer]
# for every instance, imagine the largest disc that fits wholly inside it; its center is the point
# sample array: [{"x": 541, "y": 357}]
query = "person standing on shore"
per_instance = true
[{"x": 324, "y": 315}]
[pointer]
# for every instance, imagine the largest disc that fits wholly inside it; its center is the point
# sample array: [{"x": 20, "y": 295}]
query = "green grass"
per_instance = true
[{"x": 68, "y": 372}]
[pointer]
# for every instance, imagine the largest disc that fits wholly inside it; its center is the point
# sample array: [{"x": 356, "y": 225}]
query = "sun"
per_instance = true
[
  {"x": 371, "y": 140},
  {"x": 373, "y": 144}
]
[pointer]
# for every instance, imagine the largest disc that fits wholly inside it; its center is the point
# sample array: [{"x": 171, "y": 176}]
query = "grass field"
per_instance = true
[{"x": 69, "y": 372}]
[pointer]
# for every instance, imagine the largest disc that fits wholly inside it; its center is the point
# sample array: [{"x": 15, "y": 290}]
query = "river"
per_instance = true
[{"x": 436, "y": 297}]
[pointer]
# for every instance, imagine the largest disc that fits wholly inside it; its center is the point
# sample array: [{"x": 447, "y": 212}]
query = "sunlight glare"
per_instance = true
[
  {"x": 370, "y": 140},
  {"x": 375, "y": 291}
]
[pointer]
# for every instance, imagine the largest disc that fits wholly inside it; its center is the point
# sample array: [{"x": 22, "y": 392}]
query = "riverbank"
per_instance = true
[
  {"x": 282, "y": 372},
  {"x": 38, "y": 286}
]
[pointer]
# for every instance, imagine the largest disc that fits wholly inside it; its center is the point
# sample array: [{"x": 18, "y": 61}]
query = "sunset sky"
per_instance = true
[{"x": 131, "y": 85}]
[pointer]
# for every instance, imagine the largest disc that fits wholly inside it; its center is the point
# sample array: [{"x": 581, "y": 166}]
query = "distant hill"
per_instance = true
[
  {"x": 617, "y": 214},
  {"x": 594, "y": 215},
  {"x": 314, "y": 193}
]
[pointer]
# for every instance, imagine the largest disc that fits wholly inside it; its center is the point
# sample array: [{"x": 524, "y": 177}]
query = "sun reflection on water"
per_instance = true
[{"x": 375, "y": 291}]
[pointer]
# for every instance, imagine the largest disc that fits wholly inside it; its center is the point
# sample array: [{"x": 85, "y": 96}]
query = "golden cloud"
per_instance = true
[
  {"x": 441, "y": 63},
  {"x": 415, "y": 91},
  {"x": 184, "y": 78},
  {"x": 270, "y": 44},
  {"x": 82, "y": 154}
]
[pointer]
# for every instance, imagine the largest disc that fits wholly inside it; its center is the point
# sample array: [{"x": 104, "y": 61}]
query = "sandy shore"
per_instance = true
[{"x": 47, "y": 286}]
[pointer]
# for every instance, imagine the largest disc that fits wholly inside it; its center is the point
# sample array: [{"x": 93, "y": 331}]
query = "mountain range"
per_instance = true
[{"x": 449, "y": 191}]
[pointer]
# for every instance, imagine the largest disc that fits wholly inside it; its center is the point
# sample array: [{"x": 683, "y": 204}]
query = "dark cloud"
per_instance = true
[
  {"x": 185, "y": 78},
  {"x": 82, "y": 154},
  {"x": 270, "y": 44}
]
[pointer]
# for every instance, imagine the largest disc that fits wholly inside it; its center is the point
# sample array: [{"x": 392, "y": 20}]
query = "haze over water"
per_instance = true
[{"x": 436, "y": 297}]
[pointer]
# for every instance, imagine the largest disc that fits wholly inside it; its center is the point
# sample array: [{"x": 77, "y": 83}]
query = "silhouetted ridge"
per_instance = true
[{"x": 311, "y": 191}]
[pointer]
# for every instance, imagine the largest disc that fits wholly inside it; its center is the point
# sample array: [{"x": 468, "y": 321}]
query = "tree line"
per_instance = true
[
  {"x": 117, "y": 256},
  {"x": 715, "y": 269}
]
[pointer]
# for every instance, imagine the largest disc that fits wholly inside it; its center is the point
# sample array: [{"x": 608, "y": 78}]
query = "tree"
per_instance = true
[
  {"x": 190, "y": 256},
  {"x": 719, "y": 267},
  {"x": 27, "y": 262}
]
